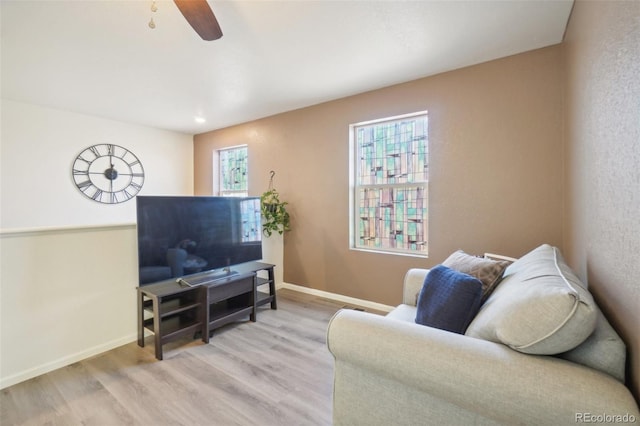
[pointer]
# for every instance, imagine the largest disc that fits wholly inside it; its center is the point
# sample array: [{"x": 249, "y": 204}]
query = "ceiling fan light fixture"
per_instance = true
[{"x": 154, "y": 9}]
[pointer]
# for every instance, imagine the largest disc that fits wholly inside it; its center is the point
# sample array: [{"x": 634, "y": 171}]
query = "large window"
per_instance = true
[
  {"x": 389, "y": 184},
  {"x": 233, "y": 166}
]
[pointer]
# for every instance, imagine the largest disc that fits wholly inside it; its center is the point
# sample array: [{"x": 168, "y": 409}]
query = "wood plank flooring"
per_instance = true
[{"x": 276, "y": 371}]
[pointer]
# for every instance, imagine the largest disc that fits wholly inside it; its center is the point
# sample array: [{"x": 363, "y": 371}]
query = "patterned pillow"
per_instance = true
[
  {"x": 488, "y": 271},
  {"x": 449, "y": 300}
]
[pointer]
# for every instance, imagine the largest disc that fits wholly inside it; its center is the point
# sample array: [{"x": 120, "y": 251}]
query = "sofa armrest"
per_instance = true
[
  {"x": 478, "y": 376},
  {"x": 413, "y": 280}
]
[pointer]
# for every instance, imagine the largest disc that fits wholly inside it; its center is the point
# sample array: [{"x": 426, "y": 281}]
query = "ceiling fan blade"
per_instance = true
[{"x": 199, "y": 15}]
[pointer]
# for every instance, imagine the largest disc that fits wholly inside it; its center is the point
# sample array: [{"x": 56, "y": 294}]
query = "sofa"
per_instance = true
[{"x": 538, "y": 351}]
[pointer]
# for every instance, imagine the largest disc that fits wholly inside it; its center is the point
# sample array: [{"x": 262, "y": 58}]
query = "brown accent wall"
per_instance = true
[
  {"x": 602, "y": 147},
  {"x": 495, "y": 162}
]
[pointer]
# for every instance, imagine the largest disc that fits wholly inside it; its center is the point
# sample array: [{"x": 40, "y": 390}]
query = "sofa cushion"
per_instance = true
[
  {"x": 486, "y": 270},
  {"x": 403, "y": 312},
  {"x": 448, "y": 300},
  {"x": 603, "y": 350},
  {"x": 540, "y": 307}
]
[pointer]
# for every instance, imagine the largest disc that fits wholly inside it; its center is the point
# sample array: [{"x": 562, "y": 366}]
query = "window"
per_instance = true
[
  {"x": 233, "y": 171},
  {"x": 389, "y": 185},
  {"x": 250, "y": 215}
]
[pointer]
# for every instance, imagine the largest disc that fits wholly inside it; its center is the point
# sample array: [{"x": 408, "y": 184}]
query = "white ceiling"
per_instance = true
[{"x": 101, "y": 58}]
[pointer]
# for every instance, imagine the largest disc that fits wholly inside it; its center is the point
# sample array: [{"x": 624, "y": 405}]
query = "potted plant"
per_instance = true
[{"x": 274, "y": 213}]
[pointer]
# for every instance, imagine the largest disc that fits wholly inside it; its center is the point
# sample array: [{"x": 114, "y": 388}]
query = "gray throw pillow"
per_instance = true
[{"x": 488, "y": 271}]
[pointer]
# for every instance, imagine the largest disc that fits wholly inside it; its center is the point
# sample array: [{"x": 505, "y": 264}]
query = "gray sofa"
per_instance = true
[{"x": 513, "y": 365}]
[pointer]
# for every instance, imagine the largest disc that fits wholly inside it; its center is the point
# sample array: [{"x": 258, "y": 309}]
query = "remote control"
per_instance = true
[{"x": 183, "y": 282}]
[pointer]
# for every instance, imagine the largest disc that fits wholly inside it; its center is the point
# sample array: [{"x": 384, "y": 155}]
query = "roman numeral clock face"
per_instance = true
[{"x": 108, "y": 173}]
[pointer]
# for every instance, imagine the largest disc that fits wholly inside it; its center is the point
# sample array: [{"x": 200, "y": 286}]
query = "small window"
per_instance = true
[
  {"x": 233, "y": 166},
  {"x": 251, "y": 225},
  {"x": 389, "y": 185}
]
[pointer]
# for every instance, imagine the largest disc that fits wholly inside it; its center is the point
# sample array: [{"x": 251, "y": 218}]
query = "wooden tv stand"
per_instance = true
[{"x": 174, "y": 310}]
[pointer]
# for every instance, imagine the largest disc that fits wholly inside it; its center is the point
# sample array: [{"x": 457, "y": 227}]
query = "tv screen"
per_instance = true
[{"x": 180, "y": 236}]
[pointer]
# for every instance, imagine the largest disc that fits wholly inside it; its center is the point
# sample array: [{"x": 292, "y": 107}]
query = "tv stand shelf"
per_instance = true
[
  {"x": 171, "y": 311},
  {"x": 173, "y": 326},
  {"x": 171, "y": 306}
]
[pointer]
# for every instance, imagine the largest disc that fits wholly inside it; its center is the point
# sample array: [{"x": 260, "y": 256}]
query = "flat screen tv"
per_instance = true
[{"x": 181, "y": 236}]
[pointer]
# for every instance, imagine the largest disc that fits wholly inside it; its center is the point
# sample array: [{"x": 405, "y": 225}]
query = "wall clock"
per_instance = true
[{"x": 108, "y": 173}]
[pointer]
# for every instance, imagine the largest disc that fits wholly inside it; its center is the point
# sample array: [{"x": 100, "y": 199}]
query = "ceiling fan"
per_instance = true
[{"x": 200, "y": 16}]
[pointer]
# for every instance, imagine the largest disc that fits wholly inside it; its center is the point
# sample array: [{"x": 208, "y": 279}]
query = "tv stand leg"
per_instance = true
[
  {"x": 272, "y": 289},
  {"x": 157, "y": 327},
  {"x": 140, "y": 319}
]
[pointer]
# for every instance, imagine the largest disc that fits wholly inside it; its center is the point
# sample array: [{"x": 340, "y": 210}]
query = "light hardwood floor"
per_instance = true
[{"x": 276, "y": 371}]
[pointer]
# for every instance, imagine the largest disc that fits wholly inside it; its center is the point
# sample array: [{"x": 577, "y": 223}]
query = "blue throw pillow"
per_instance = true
[{"x": 449, "y": 299}]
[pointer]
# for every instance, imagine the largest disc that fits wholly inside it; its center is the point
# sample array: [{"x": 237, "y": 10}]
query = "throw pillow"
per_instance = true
[
  {"x": 448, "y": 300},
  {"x": 540, "y": 307},
  {"x": 486, "y": 270}
]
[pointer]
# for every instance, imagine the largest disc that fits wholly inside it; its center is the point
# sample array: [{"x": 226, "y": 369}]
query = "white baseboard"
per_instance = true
[
  {"x": 337, "y": 297},
  {"x": 64, "y": 361}
]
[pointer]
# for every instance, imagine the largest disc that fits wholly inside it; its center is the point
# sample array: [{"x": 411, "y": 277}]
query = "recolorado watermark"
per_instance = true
[{"x": 605, "y": 418}]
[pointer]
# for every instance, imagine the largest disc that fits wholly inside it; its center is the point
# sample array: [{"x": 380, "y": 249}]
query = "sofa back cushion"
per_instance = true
[
  {"x": 540, "y": 307},
  {"x": 603, "y": 350}
]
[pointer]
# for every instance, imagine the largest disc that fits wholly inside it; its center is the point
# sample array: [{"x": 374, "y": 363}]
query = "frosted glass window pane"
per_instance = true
[
  {"x": 391, "y": 174},
  {"x": 234, "y": 171}
]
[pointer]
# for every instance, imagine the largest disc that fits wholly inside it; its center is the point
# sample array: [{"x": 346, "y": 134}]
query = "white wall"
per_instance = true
[
  {"x": 37, "y": 149},
  {"x": 65, "y": 295},
  {"x": 68, "y": 264}
]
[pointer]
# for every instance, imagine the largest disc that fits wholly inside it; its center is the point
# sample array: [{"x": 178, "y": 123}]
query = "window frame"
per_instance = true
[{"x": 355, "y": 164}]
